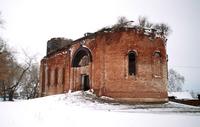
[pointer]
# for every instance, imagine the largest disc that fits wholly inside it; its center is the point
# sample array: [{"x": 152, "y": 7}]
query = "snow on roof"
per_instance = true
[{"x": 181, "y": 95}]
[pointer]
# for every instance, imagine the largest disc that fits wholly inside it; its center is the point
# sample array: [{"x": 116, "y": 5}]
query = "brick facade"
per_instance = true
[{"x": 102, "y": 62}]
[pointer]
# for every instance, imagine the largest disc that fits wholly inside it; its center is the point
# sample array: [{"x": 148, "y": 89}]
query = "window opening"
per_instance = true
[{"x": 132, "y": 63}]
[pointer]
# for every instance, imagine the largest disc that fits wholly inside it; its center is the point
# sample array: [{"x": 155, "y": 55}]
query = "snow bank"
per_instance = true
[
  {"x": 181, "y": 95},
  {"x": 79, "y": 109}
]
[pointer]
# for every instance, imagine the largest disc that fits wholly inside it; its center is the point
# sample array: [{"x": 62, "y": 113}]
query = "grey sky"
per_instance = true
[{"x": 30, "y": 23}]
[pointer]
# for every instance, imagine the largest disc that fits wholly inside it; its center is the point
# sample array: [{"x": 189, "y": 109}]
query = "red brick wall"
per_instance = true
[{"x": 108, "y": 70}]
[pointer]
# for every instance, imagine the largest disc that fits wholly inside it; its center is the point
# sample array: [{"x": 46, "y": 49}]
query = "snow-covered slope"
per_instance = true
[{"x": 81, "y": 109}]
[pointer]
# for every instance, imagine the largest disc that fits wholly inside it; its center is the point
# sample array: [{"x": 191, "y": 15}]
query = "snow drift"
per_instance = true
[
  {"x": 181, "y": 95},
  {"x": 85, "y": 109}
]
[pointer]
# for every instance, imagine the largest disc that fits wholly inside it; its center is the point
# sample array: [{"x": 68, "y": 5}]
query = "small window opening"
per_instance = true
[
  {"x": 43, "y": 79},
  {"x": 56, "y": 76},
  {"x": 63, "y": 76},
  {"x": 157, "y": 64},
  {"x": 132, "y": 63},
  {"x": 157, "y": 54},
  {"x": 48, "y": 76}
]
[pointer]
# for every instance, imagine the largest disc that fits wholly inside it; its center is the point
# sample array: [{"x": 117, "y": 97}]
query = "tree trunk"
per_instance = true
[
  {"x": 4, "y": 96},
  {"x": 35, "y": 92},
  {"x": 4, "y": 92},
  {"x": 11, "y": 95}
]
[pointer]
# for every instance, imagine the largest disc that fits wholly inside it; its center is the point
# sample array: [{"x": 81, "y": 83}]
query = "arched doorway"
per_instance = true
[{"x": 82, "y": 68}]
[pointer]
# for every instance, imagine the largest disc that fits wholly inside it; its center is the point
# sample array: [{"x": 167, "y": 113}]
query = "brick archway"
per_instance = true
[{"x": 79, "y": 54}]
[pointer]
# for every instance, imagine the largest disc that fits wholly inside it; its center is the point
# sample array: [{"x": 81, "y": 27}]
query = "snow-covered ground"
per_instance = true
[
  {"x": 80, "y": 109},
  {"x": 181, "y": 95}
]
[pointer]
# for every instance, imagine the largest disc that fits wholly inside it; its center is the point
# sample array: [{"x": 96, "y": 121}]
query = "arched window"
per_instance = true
[
  {"x": 132, "y": 63},
  {"x": 157, "y": 64},
  {"x": 82, "y": 57}
]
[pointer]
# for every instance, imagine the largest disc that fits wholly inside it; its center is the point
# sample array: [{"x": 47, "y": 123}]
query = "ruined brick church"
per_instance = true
[{"x": 128, "y": 64}]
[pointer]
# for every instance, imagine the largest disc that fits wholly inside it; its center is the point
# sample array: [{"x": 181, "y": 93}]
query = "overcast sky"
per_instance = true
[{"x": 29, "y": 24}]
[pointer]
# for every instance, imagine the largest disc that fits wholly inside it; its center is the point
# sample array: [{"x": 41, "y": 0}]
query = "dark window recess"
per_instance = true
[
  {"x": 56, "y": 76},
  {"x": 63, "y": 76},
  {"x": 132, "y": 63},
  {"x": 43, "y": 79},
  {"x": 49, "y": 76}
]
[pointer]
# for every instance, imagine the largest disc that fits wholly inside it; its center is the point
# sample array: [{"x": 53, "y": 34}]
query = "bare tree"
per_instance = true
[
  {"x": 29, "y": 88},
  {"x": 4, "y": 54},
  {"x": 18, "y": 72},
  {"x": 12, "y": 73},
  {"x": 3, "y": 61},
  {"x": 162, "y": 29},
  {"x": 144, "y": 23},
  {"x": 122, "y": 22},
  {"x": 5, "y": 64},
  {"x": 175, "y": 81}
]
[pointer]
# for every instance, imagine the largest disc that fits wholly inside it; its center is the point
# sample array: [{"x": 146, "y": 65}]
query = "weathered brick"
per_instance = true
[{"x": 108, "y": 69}]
